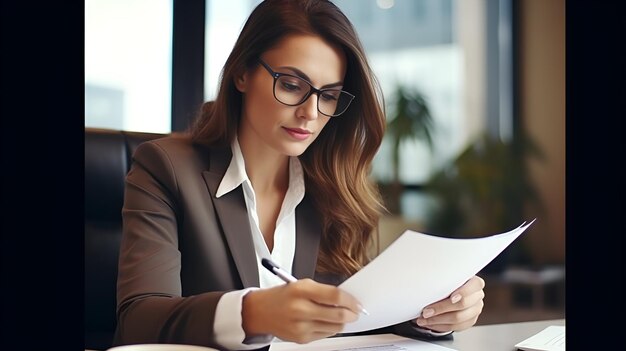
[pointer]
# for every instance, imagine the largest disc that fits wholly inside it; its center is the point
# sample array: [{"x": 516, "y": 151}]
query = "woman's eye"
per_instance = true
[
  {"x": 291, "y": 86},
  {"x": 329, "y": 96}
]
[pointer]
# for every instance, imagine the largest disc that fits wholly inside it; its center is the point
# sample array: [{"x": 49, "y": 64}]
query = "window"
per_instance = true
[
  {"x": 415, "y": 44},
  {"x": 128, "y": 64},
  {"x": 224, "y": 21},
  {"x": 454, "y": 54}
]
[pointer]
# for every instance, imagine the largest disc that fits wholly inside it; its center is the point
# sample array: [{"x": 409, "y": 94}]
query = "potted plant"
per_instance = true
[
  {"x": 409, "y": 119},
  {"x": 483, "y": 190}
]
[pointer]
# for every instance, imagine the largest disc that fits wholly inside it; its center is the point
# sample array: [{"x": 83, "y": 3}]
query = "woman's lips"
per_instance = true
[{"x": 297, "y": 133}]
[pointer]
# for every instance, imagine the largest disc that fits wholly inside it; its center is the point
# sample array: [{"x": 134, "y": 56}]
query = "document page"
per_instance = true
[
  {"x": 416, "y": 270},
  {"x": 380, "y": 342},
  {"x": 551, "y": 338}
]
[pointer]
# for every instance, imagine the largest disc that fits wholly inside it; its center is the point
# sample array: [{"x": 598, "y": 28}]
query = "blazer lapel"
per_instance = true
[
  {"x": 232, "y": 214},
  {"x": 308, "y": 232}
]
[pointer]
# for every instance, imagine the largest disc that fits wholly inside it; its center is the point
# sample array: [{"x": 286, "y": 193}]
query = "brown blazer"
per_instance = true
[{"x": 182, "y": 247}]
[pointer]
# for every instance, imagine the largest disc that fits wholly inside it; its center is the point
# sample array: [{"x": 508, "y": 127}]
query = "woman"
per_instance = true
[{"x": 277, "y": 167}]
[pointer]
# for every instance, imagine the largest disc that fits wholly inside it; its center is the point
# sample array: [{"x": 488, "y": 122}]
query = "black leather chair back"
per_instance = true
[{"x": 107, "y": 160}]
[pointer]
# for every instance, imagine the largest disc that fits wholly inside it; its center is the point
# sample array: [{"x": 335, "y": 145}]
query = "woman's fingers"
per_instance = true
[
  {"x": 453, "y": 321},
  {"x": 465, "y": 296},
  {"x": 475, "y": 283},
  {"x": 327, "y": 295},
  {"x": 301, "y": 311},
  {"x": 457, "y": 312}
]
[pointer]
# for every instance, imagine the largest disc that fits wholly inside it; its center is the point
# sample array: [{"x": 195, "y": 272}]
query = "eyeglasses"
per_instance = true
[{"x": 292, "y": 90}]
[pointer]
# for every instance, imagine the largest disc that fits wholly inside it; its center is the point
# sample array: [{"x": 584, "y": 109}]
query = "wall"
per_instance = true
[{"x": 542, "y": 109}]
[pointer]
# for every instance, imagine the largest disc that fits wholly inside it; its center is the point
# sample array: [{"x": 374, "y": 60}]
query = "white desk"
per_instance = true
[{"x": 496, "y": 337}]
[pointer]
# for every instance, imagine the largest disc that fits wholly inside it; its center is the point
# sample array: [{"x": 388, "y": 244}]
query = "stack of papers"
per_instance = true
[
  {"x": 380, "y": 342},
  {"x": 417, "y": 270}
]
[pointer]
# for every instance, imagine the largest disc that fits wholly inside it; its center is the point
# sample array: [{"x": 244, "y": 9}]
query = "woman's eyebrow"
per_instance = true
[{"x": 303, "y": 75}]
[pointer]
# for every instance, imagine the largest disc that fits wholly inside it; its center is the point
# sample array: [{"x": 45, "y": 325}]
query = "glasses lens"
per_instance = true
[
  {"x": 291, "y": 90},
  {"x": 334, "y": 102}
]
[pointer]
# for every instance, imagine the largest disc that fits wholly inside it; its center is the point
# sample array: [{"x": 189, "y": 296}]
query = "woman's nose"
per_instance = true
[{"x": 308, "y": 109}]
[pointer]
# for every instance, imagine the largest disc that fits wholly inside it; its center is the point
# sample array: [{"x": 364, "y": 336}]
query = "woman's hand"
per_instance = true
[
  {"x": 457, "y": 312},
  {"x": 301, "y": 311}
]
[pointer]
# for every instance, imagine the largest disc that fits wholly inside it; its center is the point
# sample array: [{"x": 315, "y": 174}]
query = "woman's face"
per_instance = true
[{"x": 270, "y": 126}]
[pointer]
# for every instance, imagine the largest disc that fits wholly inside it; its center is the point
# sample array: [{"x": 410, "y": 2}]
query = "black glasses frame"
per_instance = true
[{"x": 312, "y": 90}]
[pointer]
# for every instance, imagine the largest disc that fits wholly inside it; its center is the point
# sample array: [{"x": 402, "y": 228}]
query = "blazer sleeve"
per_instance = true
[{"x": 150, "y": 305}]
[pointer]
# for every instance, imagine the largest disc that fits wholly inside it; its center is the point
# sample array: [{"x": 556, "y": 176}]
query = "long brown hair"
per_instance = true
[{"x": 337, "y": 164}]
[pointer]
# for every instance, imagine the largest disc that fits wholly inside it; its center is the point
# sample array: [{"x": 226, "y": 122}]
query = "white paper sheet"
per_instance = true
[
  {"x": 552, "y": 338},
  {"x": 380, "y": 342},
  {"x": 416, "y": 270}
]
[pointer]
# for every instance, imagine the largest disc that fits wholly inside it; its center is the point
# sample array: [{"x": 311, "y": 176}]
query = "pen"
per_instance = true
[
  {"x": 286, "y": 277},
  {"x": 281, "y": 273}
]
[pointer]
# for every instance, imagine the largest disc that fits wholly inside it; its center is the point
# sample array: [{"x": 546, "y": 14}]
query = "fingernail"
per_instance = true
[
  {"x": 421, "y": 322},
  {"x": 363, "y": 310},
  {"x": 428, "y": 312},
  {"x": 456, "y": 298}
]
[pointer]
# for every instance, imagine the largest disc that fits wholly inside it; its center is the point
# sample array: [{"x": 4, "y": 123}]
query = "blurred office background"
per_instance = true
[{"x": 475, "y": 94}]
